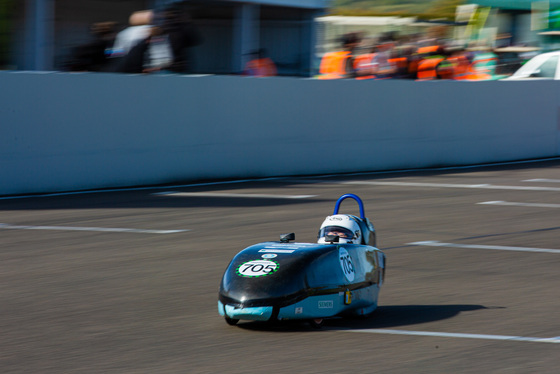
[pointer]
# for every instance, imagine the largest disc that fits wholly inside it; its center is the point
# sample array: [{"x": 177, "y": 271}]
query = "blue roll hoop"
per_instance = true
[{"x": 351, "y": 196}]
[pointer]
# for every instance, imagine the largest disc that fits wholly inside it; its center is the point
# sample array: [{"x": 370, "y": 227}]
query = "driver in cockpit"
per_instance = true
[{"x": 342, "y": 225}]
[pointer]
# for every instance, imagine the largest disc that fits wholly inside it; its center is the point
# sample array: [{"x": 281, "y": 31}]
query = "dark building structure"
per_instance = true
[{"x": 43, "y": 31}]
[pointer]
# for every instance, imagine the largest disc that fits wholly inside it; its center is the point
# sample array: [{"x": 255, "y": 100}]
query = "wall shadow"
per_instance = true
[
  {"x": 145, "y": 199},
  {"x": 145, "y": 196}
]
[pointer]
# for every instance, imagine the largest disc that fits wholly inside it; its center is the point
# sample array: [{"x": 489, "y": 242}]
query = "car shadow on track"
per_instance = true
[
  {"x": 384, "y": 317},
  {"x": 403, "y": 315}
]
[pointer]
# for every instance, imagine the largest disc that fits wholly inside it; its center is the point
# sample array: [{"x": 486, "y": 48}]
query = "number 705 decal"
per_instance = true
[{"x": 257, "y": 268}]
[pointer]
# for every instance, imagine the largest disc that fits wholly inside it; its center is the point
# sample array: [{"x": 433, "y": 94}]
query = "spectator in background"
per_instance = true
[
  {"x": 138, "y": 29},
  {"x": 350, "y": 43},
  {"x": 382, "y": 64},
  {"x": 404, "y": 57},
  {"x": 93, "y": 55},
  {"x": 260, "y": 65},
  {"x": 157, "y": 41},
  {"x": 183, "y": 35},
  {"x": 343, "y": 63},
  {"x": 151, "y": 54}
]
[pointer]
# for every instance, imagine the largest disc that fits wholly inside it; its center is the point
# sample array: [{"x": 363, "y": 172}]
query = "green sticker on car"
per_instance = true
[{"x": 257, "y": 268}]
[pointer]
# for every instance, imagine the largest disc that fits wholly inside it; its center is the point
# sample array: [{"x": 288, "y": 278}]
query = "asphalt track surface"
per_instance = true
[{"x": 80, "y": 292}]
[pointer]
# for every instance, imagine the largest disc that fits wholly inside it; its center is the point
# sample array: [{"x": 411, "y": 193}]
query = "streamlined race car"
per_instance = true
[{"x": 338, "y": 276}]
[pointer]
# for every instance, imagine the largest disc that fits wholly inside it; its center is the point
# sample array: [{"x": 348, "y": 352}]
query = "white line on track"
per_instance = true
[
  {"x": 434, "y": 243},
  {"x": 543, "y": 180},
  {"x": 456, "y": 335},
  {"x": 223, "y": 194},
  {"x": 448, "y": 185},
  {"x": 94, "y": 229},
  {"x": 508, "y": 203}
]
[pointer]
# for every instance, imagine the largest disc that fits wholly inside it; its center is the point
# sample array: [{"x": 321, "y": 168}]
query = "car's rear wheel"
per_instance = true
[
  {"x": 316, "y": 323},
  {"x": 231, "y": 321}
]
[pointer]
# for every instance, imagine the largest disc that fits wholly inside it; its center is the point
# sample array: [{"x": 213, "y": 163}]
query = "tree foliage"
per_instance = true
[{"x": 418, "y": 8}]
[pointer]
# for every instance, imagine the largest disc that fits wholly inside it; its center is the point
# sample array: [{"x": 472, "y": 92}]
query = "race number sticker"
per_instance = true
[
  {"x": 257, "y": 268},
  {"x": 346, "y": 264}
]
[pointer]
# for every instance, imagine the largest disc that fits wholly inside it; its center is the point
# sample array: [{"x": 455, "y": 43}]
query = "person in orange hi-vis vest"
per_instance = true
[
  {"x": 260, "y": 65},
  {"x": 341, "y": 64}
]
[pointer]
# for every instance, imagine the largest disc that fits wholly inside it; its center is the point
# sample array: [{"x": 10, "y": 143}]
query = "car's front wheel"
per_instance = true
[{"x": 316, "y": 323}]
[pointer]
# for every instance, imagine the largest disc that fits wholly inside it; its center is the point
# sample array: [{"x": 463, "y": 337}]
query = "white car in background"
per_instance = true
[{"x": 543, "y": 66}]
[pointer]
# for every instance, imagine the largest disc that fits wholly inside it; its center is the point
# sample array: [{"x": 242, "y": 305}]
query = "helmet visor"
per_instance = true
[{"x": 341, "y": 232}]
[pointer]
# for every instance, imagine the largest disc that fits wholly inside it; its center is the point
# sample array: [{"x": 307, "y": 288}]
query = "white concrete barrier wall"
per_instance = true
[{"x": 61, "y": 132}]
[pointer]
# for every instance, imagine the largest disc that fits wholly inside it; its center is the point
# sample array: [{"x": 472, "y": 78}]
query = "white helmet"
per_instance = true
[{"x": 342, "y": 225}]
